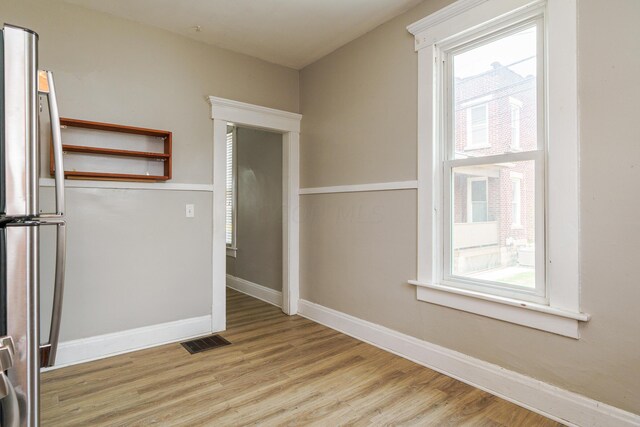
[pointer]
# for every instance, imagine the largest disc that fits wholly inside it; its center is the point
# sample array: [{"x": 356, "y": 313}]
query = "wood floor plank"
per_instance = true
[{"x": 279, "y": 370}]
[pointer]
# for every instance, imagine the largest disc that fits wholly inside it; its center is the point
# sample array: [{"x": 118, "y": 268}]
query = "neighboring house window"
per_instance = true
[
  {"x": 516, "y": 200},
  {"x": 231, "y": 190},
  {"x": 477, "y": 200},
  {"x": 477, "y": 127},
  {"x": 516, "y": 106},
  {"x": 491, "y": 222}
]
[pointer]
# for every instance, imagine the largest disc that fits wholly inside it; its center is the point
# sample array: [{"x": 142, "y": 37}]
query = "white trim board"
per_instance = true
[
  {"x": 260, "y": 292},
  {"x": 169, "y": 186},
  {"x": 538, "y": 316},
  {"x": 223, "y": 112},
  {"x": 551, "y": 401},
  {"x": 356, "y": 188},
  {"x": 442, "y": 15},
  {"x": 238, "y": 112},
  {"x": 463, "y": 21},
  {"x": 107, "y": 345}
]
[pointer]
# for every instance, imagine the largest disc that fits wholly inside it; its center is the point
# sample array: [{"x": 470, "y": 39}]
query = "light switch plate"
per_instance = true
[{"x": 190, "y": 211}]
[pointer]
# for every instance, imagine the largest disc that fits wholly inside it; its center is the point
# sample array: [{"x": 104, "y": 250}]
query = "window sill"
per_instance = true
[
  {"x": 537, "y": 316},
  {"x": 232, "y": 252}
]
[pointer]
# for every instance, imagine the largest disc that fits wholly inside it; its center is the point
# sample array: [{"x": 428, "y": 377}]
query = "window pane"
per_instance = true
[
  {"x": 485, "y": 245},
  {"x": 480, "y": 213},
  {"x": 229, "y": 196},
  {"x": 494, "y": 88},
  {"x": 479, "y": 191},
  {"x": 478, "y": 138},
  {"x": 478, "y": 116}
]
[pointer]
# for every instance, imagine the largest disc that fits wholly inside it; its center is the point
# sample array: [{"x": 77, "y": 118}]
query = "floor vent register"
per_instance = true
[{"x": 199, "y": 345}]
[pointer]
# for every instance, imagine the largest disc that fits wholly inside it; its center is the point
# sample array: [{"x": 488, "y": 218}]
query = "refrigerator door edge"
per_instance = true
[
  {"x": 21, "y": 122},
  {"x": 23, "y": 313}
]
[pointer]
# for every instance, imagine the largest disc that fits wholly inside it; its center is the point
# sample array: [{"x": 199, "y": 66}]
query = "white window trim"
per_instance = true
[
  {"x": 470, "y": 200},
  {"x": 562, "y": 314},
  {"x": 469, "y": 143}
]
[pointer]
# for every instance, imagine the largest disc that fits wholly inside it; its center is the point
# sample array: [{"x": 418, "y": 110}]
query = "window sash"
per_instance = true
[
  {"x": 537, "y": 294},
  {"x": 469, "y": 42},
  {"x": 449, "y": 162}
]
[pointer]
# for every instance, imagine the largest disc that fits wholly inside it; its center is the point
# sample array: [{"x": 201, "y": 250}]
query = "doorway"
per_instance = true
[
  {"x": 254, "y": 213},
  {"x": 225, "y": 112}
]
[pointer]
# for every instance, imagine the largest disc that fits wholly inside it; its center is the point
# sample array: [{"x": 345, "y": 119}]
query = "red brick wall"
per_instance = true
[{"x": 502, "y": 85}]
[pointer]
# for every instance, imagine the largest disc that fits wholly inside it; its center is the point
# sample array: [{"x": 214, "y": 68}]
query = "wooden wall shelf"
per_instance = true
[{"x": 164, "y": 157}]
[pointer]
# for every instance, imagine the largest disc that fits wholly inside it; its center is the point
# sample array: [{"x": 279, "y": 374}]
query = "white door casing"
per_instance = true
[{"x": 225, "y": 111}]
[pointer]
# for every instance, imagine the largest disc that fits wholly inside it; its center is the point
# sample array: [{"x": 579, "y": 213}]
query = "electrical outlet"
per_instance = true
[{"x": 190, "y": 211}]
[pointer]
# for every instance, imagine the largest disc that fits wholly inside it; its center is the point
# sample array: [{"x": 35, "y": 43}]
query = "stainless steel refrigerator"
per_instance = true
[{"x": 24, "y": 92}]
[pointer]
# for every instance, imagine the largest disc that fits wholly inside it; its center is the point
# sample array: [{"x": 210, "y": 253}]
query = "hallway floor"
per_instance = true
[{"x": 279, "y": 370}]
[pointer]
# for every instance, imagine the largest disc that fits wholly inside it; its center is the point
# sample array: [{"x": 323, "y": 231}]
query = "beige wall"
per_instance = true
[
  {"x": 358, "y": 249},
  {"x": 259, "y": 222},
  {"x": 134, "y": 259}
]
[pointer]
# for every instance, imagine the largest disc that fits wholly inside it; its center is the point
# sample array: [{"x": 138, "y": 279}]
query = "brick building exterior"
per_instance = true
[{"x": 493, "y": 205}]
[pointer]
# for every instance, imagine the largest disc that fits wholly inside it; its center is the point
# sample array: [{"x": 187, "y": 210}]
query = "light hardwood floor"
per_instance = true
[{"x": 279, "y": 370}]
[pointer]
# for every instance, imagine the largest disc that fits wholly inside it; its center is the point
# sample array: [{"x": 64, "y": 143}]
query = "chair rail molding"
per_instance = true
[
  {"x": 130, "y": 185},
  {"x": 358, "y": 188}
]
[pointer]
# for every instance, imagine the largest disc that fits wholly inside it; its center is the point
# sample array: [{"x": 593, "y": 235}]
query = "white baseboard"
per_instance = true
[
  {"x": 253, "y": 289},
  {"x": 101, "y": 346},
  {"x": 551, "y": 401}
]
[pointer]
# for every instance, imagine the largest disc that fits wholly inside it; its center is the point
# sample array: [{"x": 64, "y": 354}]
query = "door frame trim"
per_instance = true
[{"x": 225, "y": 111}]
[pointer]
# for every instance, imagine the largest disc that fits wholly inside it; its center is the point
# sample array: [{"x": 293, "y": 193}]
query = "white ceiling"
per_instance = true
[{"x": 293, "y": 33}]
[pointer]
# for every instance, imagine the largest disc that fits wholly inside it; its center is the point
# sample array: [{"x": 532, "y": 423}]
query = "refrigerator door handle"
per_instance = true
[
  {"x": 47, "y": 86},
  {"x": 48, "y": 351}
]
